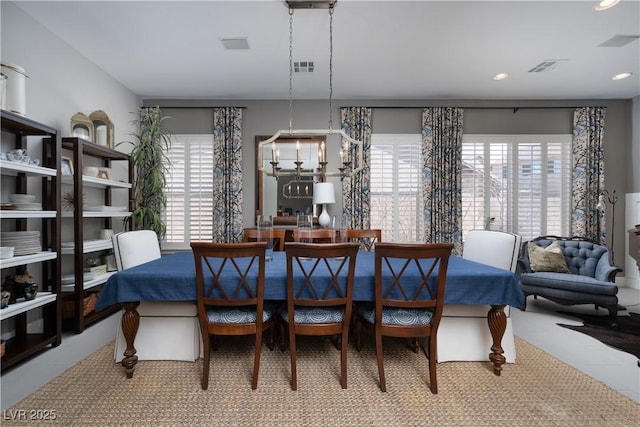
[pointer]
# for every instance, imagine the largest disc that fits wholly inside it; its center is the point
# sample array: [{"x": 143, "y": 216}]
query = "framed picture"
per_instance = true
[{"x": 66, "y": 166}]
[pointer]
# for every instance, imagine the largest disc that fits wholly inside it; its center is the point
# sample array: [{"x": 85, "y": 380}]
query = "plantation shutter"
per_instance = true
[{"x": 189, "y": 191}]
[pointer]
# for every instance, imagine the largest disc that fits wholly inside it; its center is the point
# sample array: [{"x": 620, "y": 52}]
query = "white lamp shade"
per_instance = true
[{"x": 323, "y": 193}]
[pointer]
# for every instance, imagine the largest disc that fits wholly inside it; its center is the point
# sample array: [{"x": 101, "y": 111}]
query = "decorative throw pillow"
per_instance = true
[{"x": 550, "y": 258}]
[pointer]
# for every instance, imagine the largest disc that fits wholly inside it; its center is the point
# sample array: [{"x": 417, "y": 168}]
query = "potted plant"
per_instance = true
[{"x": 150, "y": 162}]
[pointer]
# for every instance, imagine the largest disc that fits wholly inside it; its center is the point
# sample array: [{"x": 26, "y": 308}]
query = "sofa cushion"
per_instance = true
[
  {"x": 569, "y": 282},
  {"x": 550, "y": 258}
]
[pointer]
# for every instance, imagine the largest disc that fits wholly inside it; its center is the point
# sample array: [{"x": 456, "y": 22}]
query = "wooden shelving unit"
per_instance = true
[
  {"x": 77, "y": 292},
  {"x": 28, "y": 177}
]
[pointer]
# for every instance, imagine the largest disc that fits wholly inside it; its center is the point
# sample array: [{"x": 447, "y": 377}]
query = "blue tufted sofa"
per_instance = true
[{"x": 591, "y": 279}]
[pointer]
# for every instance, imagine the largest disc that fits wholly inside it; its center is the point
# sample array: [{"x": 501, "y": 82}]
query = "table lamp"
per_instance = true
[{"x": 323, "y": 194}]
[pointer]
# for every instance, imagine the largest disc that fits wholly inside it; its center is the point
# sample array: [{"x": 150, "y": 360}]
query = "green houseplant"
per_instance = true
[{"x": 151, "y": 163}]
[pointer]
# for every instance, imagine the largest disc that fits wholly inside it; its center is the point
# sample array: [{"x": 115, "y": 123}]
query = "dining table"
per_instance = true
[{"x": 173, "y": 278}]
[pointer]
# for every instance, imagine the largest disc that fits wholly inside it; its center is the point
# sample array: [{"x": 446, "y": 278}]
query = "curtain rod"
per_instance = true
[
  {"x": 192, "y": 107},
  {"x": 474, "y": 108}
]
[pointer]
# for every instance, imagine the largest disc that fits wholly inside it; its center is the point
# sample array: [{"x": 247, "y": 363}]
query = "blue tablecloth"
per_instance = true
[{"x": 173, "y": 278}]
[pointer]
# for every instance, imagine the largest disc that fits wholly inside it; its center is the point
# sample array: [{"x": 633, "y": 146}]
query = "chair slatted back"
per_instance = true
[
  {"x": 393, "y": 261},
  {"x": 241, "y": 265},
  {"x": 320, "y": 275},
  {"x": 366, "y": 237},
  {"x": 255, "y": 235}
]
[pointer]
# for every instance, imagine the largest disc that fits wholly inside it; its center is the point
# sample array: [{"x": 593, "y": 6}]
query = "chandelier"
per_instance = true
[{"x": 351, "y": 158}]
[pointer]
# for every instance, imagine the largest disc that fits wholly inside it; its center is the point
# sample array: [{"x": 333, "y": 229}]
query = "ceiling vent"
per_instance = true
[
  {"x": 303, "y": 67},
  {"x": 546, "y": 65},
  {"x": 235, "y": 43},
  {"x": 619, "y": 41}
]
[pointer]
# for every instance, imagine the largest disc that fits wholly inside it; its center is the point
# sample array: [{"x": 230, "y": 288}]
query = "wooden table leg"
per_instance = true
[
  {"x": 497, "y": 325},
  {"x": 130, "y": 323}
]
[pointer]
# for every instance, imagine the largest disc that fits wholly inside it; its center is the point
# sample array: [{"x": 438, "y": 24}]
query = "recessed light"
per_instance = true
[
  {"x": 501, "y": 76},
  {"x": 621, "y": 76},
  {"x": 605, "y": 4}
]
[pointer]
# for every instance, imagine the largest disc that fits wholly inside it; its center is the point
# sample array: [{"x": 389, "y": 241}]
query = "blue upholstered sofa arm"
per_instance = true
[{"x": 605, "y": 271}]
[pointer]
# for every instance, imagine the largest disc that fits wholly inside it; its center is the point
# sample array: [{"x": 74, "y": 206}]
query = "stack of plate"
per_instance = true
[
  {"x": 24, "y": 242},
  {"x": 21, "y": 198},
  {"x": 28, "y": 206},
  {"x": 25, "y": 202},
  {"x": 69, "y": 279}
]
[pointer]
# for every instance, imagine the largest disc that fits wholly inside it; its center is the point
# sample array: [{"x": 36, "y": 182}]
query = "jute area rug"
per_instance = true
[{"x": 538, "y": 390}]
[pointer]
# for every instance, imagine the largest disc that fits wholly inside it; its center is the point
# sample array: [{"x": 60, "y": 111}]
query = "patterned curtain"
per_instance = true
[
  {"x": 356, "y": 197},
  {"x": 587, "y": 181},
  {"x": 441, "y": 174},
  {"x": 227, "y": 174}
]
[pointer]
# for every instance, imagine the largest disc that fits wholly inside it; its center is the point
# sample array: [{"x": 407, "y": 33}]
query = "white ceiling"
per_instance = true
[{"x": 382, "y": 49}]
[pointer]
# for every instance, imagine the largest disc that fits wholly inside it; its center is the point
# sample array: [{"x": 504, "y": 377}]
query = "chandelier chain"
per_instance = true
[
  {"x": 330, "y": 68},
  {"x": 290, "y": 68}
]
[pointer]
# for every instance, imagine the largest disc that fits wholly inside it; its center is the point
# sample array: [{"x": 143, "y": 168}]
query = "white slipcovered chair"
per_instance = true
[
  {"x": 169, "y": 330},
  {"x": 464, "y": 332}
]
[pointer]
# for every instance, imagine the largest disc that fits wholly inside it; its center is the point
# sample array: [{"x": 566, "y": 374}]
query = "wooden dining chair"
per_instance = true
[
  {"x": 235, "y": 307},
  {"x": 397, "y": 313},
  {"x": 316, "y": 235},
  {"x": 366, "y": 237},
  {"x": 254, "y": 235},
  {"x": 319, "y": 296}
]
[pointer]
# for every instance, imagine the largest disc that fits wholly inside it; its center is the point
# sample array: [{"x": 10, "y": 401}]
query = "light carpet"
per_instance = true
[{"x": 538, "y": 390}]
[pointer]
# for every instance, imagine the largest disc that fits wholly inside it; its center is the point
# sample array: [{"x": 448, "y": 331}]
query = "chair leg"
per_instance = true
[
  {"x": 343, "y": 358},
  {"x": 282, "y": 333},
  {"x": 214, "y": 340},
  {"x": 256, "y": 360},
  {"x": 432, "y": 364},
  {"x": 204, "y": 382},
  {"x": 415, "y": 345},
  {"x": 292, "y": 353},
  {"x": 337, "y": 341},
  {"x": 270, "y": 341},
  {"x": 383, "y": 383}
]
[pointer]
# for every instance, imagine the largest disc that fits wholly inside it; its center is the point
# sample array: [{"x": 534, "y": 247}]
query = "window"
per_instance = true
[
  {"x": 189, "y": 191},
  {"x": 396, "y": 186},
  {"x": 517, "y": 183}
]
